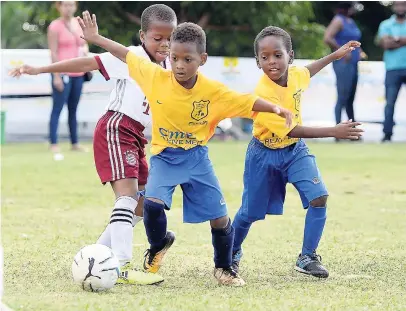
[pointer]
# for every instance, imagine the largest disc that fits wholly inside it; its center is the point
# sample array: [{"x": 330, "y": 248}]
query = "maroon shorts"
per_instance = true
[{"x": 119, "y": 148}]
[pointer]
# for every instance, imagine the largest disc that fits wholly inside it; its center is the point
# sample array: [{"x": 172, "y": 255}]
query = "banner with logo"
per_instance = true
[{"x": 31, "y": 115}]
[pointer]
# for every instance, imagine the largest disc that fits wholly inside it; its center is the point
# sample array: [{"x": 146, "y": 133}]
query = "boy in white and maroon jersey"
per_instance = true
[{"x": 119, "y": 139}]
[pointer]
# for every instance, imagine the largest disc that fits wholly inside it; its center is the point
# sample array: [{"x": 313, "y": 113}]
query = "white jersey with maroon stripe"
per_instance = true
[{"x": 126, "y": 97}]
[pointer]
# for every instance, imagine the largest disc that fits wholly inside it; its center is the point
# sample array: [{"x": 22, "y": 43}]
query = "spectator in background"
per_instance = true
[
  {"x": 342, "y": 29},
  {"x": 392, "y": 38},
  {"x": 64, "y": 43}
]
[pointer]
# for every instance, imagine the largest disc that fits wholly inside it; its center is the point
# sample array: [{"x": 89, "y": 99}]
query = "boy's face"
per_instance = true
[
  {"x": 185, "y": 60},
  {"x": 157, "y": 38},
  {"x": 273, "y": 58}
]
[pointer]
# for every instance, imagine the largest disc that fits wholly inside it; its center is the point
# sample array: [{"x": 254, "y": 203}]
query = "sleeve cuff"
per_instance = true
[
  {"x": 307, "y": 72},
  {"x": 129, "y": 57},
  {"x": 102, "y": 70}
]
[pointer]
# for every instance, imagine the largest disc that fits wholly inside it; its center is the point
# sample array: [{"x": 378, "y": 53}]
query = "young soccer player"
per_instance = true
[
  {"x": 118, "y": 138},
  {"x": 186, "y": 107},
  {"x": 275, "y": 155}
]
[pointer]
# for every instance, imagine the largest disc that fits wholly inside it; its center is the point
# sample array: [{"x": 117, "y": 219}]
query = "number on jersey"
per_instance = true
[{"x": 146, "y": 105}]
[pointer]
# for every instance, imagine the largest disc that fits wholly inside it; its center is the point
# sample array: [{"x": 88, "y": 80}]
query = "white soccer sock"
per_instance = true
[
  {"x": 105, "y": 238},
  {"x": 121, "y": 228},
  {"x": 137, "y": 219}
]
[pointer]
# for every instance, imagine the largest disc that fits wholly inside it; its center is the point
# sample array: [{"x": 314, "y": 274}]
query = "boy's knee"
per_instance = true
[
  {"x": 158, "y": 201},
  {"x": 125, "y": 187},
  {"x": 319, "y": 202},
  {"x": 220, "y": 223},
  {"x": 153, "y": 205}
]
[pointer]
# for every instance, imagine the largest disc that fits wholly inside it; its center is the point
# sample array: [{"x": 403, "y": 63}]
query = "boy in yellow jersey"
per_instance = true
[
  {"x": 186, "y": 108},
  {"x": 276, "y": 156}
]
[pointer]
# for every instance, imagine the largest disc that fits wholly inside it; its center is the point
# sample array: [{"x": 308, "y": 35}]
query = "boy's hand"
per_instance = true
[
  {"x": 348, "y": 130},
  {"x": 286, "y": 114},
  {"x": 346, "y": 49},
  {"x": 89, "y": 26},
  {"x": 24, "y": 69}
]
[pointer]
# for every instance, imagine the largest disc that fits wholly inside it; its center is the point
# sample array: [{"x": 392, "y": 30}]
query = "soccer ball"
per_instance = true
[{"x": 95, "y": 268}]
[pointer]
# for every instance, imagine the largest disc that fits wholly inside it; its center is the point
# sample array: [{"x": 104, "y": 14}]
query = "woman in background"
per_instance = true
[
  {"x": 65, "y": 43},
  {"x": 342, "y": 29}
]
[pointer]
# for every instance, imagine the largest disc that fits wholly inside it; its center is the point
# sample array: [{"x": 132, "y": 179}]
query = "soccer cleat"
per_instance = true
[
  {"x": 153, "y": 259},
  {"x": 131, "y": 276},
  {"x": 228, "y": 277},
  {"x": 236, "y": 260},
  {"x": 311, "y": 265}
]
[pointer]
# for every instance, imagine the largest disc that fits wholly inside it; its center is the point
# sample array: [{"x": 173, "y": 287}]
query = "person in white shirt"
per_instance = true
[{"x": 119, "y": 140}]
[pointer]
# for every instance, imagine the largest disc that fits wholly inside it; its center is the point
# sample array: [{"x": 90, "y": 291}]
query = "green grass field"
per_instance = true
[{"x": 51, "y": 209}]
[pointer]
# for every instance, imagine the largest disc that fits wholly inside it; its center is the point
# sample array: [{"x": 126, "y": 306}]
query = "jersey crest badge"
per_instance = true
[
  {"x": 200, "y": 110},
  {"x": 297, "y": 97}
]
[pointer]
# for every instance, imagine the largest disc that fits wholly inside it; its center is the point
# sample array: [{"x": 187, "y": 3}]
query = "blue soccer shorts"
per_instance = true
[
  {"x": 193, "y": 171},
  {"x": 267, "y": 171}
]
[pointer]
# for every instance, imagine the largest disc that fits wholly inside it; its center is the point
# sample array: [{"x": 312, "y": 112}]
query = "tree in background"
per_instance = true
[
  {"x": 230, "y": 26},
  {"x": 18, "y": 31}
]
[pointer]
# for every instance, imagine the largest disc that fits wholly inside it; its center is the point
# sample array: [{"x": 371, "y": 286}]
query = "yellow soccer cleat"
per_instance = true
[
  {"x": 153, "y": 259},
  {"x": 131, "y": 276}
]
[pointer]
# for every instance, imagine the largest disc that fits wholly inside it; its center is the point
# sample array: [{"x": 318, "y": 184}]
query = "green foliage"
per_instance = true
[
  {"x": 13, "y": 35},
  {"x": 230, "y": 26}
]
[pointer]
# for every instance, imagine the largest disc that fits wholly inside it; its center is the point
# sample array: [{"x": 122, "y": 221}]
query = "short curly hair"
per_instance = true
[
  {"x": 157, "y": 13},
  {"x": 190, "y": 33},
  {"x": 273, "y": 31}
]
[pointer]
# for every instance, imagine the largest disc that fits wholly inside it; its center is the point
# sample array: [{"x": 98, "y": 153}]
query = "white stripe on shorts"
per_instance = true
[
  {"x": 119, "y": 149},
  {"x": 113, "y": 145},
  {"x": 110, "y": 146}
]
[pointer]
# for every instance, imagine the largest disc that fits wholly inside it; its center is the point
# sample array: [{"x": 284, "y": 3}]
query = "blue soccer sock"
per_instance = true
[
  {"x": 241, "y": 228},
  {"x": 155, "y": 223},
  {"x": 314, "y": 225},
  {"x": 222, "y": 240}
]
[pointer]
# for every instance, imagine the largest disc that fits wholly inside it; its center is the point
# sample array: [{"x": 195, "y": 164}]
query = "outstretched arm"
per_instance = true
[
  {"x": 80, "y": 64},
  {"x": 319, "y": 64},
  {"x": 261, "y": 105},
  {"x": 91, "y": 35},
  {"x": 344, "y": 130}
]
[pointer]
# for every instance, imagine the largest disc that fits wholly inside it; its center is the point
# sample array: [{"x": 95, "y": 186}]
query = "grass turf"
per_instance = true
[{"x": 50, "y": 209}]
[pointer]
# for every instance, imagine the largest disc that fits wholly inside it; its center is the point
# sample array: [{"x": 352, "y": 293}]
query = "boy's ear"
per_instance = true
[
  {"x": 257, "y": 60},
  {"x": 142, "y": 36},
  {"x": 291, "y": 57},
  {"x": 203, "y": 58}
]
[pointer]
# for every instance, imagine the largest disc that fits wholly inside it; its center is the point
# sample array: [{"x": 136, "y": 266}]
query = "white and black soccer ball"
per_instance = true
[{"x": 95, "y": 268}]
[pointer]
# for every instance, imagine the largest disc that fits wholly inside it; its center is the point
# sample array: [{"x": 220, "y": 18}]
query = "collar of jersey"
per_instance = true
[
  {"x": 177, "y": 85},
  {"x": 276, "y": 85}
]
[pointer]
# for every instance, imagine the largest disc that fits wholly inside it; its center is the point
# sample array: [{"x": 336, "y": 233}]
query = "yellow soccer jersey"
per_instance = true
[
  {"x": 183, "y": 118},
  {"x": 271, "y": 129}
]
